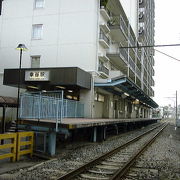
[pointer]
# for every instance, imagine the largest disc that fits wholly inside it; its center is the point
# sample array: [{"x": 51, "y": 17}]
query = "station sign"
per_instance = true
[{"x": 37, "y": 75}]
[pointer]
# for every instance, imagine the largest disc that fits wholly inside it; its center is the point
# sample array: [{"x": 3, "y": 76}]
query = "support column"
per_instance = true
[
  {"x": 52, "y": 143},
  {"x": 100, "y": 133},
  {"x": 95, "y": 134},
  {"x": 116, "y": 127},
  {"x": 104, "y": 133}
]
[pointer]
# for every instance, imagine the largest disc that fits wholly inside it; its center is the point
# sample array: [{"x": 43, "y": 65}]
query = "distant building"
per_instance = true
[{"x": 87, "y": 42}]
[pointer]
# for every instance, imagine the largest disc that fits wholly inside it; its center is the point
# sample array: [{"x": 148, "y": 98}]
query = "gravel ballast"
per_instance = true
[{"x": 163, "y": 156}]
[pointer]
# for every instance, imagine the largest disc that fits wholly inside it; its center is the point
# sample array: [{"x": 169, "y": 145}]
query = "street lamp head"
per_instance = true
[{"x": 22, "y": 47}]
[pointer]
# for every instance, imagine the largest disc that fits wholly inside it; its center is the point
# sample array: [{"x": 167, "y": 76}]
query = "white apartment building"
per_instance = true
[{"x": 97, "y": 36}]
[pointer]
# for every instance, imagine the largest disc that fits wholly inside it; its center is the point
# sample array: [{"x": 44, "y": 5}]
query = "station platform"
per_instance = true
[
  {"x": 96, "y": 129},
  {"x": 75, "y": 123}
]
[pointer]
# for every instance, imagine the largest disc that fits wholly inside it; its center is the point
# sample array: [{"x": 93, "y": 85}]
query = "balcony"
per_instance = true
[
  {"x": 132, "y": 41},
  {"x": 141, "y": 31},
  {"x": 104, "y": 40},
  {"x": 104, "y": 71},
  {"x": 105, "y": 13},
  {"x": 152, "y": 83},
  {"x": 132, "y": 64},
  {"x": 103, "y": 57},
  {"x": 153, "y": 73},
  {"x": 141, "y": 16},
  {"x": 138, "y": 72},
  {"x": 119, "y": 28},
  {"x": 145, "y": 81},
  {"x": 119, "y": 57},
  {"x": 105, "y": 27}
]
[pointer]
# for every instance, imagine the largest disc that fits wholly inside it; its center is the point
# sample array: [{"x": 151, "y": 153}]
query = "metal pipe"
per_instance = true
[{"x": 19, "y": 79}]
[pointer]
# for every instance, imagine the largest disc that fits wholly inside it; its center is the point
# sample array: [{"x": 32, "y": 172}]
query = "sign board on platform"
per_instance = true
[{"x": 37, "y": 75}]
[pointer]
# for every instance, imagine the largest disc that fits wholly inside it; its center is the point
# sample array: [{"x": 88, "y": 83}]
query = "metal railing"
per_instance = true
[
  {"x": 103, "y": 69},
  {"x": 123, "y": 25},
  {"x": 132, "y": 41},
  {"x": 104, "y": 37},
  {"x": 105, "y": 8},
  {"x": 44, "y": 106},
  {"x": 131, "y": 63},
  {"x": 118, "y": 22},
  {"x": 73, "y": 109},
  {"x": 124, "y": 53},
  {"x": 138, "y": 72}
]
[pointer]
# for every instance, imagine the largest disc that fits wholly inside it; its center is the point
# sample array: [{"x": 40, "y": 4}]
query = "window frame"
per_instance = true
[
  {"x": 36, "y": 56},
  {"x": 35, "y": 5},
  {"x": 33, "y": 32}
]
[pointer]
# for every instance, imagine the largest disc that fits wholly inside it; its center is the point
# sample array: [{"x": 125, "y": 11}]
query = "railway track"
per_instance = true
[{"x": 116, "y": 163}]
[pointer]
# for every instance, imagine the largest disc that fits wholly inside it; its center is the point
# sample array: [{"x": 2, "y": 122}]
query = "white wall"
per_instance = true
[
  {"x": 131, "y": 9},
  {"x": 69, "y": 33}
]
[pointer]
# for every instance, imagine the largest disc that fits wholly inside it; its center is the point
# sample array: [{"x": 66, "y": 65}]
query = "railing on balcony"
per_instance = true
[
  {"x": 145, "y": 81},
  {"x": 102, "y": 7},
  {"x": 139, "y": 57},
  {"x": 124, "y": 53},
  {"x": 131, "y": 63},
  {"x": 104, "y": 37},
  {"x": 152, "y": 83},
  {"x": 138, "y": 72},
  {"x": 103, "y": 69},
  {"x": 118, "y": 22},
  {"x": 123, "y": 25},
  {"x": 132, "y": 41}
]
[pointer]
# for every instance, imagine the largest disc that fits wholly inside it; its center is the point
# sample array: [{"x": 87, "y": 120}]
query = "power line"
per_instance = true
[
  {"x": 167, "y": 55},
  {"x": 149, "y": 46},
  {"x": 159, "y": 45}
]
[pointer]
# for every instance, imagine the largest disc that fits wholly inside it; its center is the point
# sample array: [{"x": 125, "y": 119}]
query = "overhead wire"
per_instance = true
[
  {"x": 149, "y": 46},
  {"x": 159, "y": 45},
  {"x": 167, "y": 55}
]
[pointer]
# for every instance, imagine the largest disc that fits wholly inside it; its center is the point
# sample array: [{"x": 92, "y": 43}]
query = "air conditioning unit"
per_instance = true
[
  {"x": 141, "y": 30},
  {"x": 141, "y": 14}
]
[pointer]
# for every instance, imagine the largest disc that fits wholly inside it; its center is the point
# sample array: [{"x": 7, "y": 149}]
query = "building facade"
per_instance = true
[{"x": 103, "y": 38}]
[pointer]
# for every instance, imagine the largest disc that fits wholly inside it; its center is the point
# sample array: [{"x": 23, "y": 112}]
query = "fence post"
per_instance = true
[
  {"x": 57, "y": 110},
  {"x": 62, "y": 106},
  {"x": 40, "y": 98},
  {"x": 12, "y": 145},
  {"x": 75, "y": 109},
  {"x": 66, "y": 107},
  {"x": 20, "y": 143}
]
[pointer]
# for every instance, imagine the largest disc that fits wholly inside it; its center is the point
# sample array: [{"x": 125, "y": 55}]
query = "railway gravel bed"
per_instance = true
[
  {"x": 161, "y": 161},
  {"x": 71, "y": 157}
]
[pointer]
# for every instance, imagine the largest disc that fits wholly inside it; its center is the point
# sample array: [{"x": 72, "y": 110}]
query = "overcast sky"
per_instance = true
[{"x": 167, "y": 70}]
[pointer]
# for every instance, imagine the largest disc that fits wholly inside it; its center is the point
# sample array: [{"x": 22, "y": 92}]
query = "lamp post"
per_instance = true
[{"x": 20, "y": 47}]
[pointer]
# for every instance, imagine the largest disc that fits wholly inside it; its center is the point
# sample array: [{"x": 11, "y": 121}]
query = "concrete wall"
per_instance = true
[
  {"x": 69, "y": 34},
  {"x": 131, "y": 9}
]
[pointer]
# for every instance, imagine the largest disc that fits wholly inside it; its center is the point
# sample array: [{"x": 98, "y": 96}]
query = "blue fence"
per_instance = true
[{"x": 49, "y": 106}]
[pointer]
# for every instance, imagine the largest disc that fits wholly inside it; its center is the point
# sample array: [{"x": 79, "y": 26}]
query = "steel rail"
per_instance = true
[
  {"x": 121, "y": 172},
  {"x": 88, "y": 165}
]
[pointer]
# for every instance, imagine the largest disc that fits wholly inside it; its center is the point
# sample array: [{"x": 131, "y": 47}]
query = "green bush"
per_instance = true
[{"x": 104, "y": 2}]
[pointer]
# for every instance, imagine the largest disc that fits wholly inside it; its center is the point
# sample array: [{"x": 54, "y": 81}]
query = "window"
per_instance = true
[
  {"x": 35, "y": 61},
  {"x": 37, "y": 31},
  {"x": 99, "y": 97},
  {"x": 38, "y": 4}
]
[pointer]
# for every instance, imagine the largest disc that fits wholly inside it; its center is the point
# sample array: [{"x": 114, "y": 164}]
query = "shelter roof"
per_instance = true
[{"x": 8, "y": 101}]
